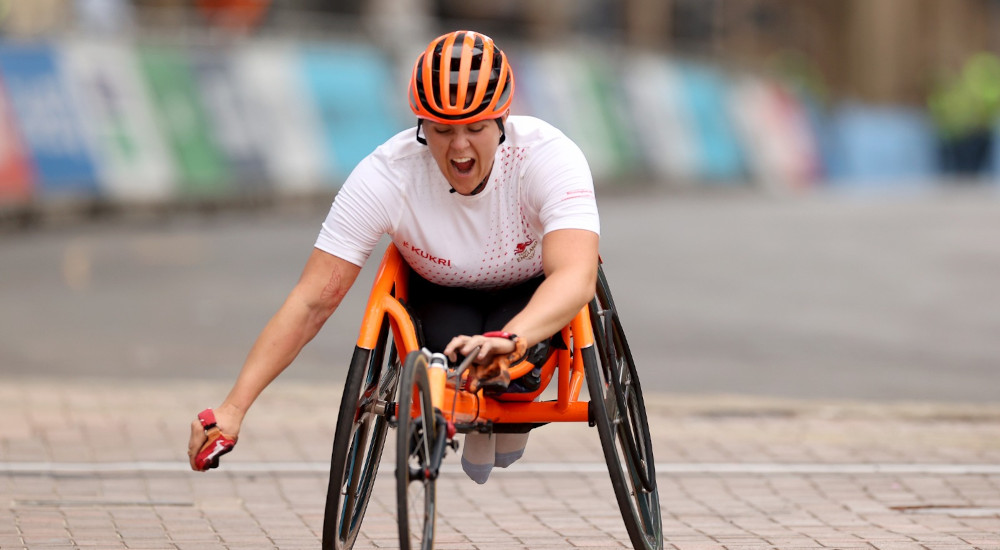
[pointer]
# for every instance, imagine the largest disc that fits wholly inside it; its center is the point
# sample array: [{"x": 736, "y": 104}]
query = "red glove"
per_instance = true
[{"x": 217, "y": 444}]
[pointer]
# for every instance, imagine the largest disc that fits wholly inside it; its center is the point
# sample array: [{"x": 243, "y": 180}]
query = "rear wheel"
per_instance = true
[
  {"x": 358, "y": 441},
  {"x": 416, "y": 432},
  {"x": 620, "y": 415}
]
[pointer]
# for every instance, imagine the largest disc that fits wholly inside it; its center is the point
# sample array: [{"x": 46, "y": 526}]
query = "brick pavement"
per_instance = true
[{"x": 100, "y": 466}]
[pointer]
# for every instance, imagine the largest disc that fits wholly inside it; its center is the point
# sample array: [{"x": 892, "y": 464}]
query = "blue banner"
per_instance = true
[
  {"x": 47, "y": 121},
  {"x": 705, "y": 95},
  {"x": 890, "y": 145},
  {"x": 357, "y": 98}
]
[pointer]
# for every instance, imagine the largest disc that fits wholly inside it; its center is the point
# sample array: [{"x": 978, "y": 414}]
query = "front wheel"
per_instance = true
[{"x": 416, "y": 433}]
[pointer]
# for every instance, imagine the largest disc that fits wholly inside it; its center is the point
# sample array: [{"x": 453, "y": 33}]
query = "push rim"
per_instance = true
[
  {"x": 359, "y": 440},
  {"x": 620, "y": 416},
  {"x": 620, "y": 370}
]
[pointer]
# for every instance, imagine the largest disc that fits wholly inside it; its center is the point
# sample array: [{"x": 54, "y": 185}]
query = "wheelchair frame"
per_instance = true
[{"x": 383, "y": 382}]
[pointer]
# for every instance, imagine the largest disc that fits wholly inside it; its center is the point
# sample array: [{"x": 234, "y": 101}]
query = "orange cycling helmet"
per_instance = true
[{"x": 461, "y": 77}]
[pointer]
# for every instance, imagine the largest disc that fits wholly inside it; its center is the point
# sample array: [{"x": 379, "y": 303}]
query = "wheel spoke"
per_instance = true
[{"x": 424, "y": 440}]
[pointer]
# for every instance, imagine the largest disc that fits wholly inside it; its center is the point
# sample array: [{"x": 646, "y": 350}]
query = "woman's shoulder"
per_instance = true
[
  {"x": 529, "y": 132},
  {"x": 528, "y": 127},
  {"x": 398, "y": 158},
  {"x": 400, "y": 146}
]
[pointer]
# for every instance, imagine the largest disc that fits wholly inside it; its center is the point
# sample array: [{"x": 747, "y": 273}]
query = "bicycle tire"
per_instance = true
[
  {"x": 416, "y": 495},
  {"x": 358, "y": 440},
  {"x": 620, "y": 416}
]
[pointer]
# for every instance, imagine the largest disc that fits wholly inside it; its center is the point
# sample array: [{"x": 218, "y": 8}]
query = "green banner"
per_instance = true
[
  {"x": 182, "y": 117},
  {"x": 601, "y": 78}
]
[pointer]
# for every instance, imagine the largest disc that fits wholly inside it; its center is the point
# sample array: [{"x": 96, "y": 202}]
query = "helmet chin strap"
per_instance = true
[
  {"x": 477, "y": 190},
  {"x": 420, "y": 139}
]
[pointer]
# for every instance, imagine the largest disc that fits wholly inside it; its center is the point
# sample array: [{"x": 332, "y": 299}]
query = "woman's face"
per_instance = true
[{"x": 463, "y": 152}]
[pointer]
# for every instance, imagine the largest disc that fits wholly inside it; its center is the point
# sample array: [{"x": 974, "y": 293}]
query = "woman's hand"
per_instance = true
[
  {"x": 488, "y": 347},
  {"x": 491, "y": 365},
  {"x": 226, "y": 421}
]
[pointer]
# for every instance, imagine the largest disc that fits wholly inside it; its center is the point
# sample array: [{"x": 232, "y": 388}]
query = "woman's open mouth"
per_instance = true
[{"x": 463, "y": 165}]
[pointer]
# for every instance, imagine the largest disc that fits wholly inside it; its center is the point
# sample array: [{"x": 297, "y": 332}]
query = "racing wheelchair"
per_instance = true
[{"x": 393, "y": 383}]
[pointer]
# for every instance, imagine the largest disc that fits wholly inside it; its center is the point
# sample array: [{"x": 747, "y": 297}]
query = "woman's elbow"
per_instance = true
[
  {"x": 322, "y": 307},
  {"x": 315, "y": 307}
]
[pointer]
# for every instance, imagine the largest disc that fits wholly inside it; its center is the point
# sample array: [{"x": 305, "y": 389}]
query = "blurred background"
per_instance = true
[
  {"x": 798, "y": 198},
  {"x": 130, "y": 101}
]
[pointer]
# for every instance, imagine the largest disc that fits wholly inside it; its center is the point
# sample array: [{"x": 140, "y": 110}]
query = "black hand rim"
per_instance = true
[
  {"x": 359, "y": 440},
  {"x": 615, "y": 354}
]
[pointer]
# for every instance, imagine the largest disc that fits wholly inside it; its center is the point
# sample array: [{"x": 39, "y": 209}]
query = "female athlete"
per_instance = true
[{"x": 495, "y": 215}]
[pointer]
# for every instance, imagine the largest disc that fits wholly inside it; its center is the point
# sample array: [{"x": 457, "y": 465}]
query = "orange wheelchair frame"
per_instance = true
[{"x": 393, "y": 383}]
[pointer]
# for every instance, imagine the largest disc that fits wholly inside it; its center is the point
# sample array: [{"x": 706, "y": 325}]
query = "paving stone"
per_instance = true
[{"x": 726, "y": 480}]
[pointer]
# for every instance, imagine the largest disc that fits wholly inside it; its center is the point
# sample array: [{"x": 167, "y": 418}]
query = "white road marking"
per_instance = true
[{"x": 669, "y": 468}]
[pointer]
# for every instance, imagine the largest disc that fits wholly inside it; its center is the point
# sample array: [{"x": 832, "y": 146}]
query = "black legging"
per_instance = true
[{"x": 443, "y": 313}]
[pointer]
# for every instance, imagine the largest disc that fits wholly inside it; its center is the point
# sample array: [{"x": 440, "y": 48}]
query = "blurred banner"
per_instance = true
[
  {"x": 16, "y": 178},
  {"x": 48, "y": 122},
  {"x": 125, "y": 122},
  {"x": 786, "y": 155},
  {"x": 117, "y": 116},
  {"x": 229, "y": 113},
  {"x": 704, "y": 92},
  {"x": 569, "y": 90},
  {"x": 285, "y": 126},
  {"x": 664, "y": 128},
  {"x": 887, "y": 145},
  {"x": 354, "y": 92},
  {"x": 182, "y": 116}
]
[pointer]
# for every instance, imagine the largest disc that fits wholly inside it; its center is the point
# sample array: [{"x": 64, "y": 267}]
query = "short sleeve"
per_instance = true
[
  {"x": 360, "y": 214},
  {"x": 560, "y": 187}
]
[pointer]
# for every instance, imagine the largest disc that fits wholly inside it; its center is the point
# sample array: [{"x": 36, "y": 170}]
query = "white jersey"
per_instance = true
[{"x": 540, "y": 182}]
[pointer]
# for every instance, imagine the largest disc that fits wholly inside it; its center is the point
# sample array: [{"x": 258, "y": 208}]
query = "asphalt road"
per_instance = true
[{"x": 825, "y": 296}]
